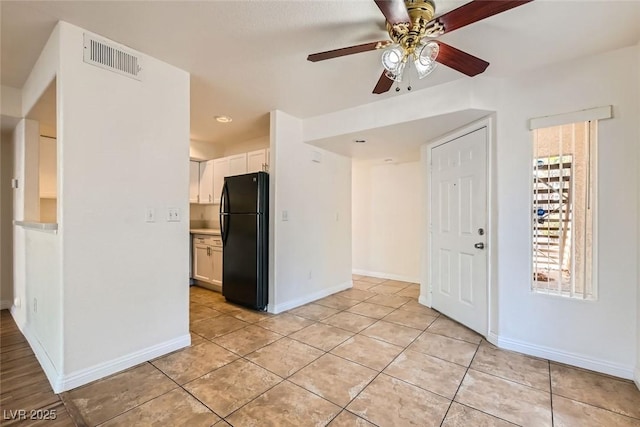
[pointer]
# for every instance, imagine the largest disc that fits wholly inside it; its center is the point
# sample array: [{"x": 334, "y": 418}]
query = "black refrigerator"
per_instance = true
[{"x": 244, "y": 224}]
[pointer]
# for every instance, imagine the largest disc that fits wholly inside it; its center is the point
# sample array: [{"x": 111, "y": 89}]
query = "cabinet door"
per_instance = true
[
  {"x": 237, "y": 164},
  {"x": 206, "y": 182},
  {"x": 194, "y": 181},
  {"x": 217, "y": 266},
  {"x": 202, "y": 265},
  {"x": 256, "y": 161},
  {"x": 220, "y": 170}
]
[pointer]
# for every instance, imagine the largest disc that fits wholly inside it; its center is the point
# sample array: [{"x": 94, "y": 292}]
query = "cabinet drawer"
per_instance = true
[{"x": 206, "y": 239}]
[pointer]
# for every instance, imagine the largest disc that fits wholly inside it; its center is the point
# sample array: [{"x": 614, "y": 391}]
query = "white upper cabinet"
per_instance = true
[
  {"x": 220, "y": 170},
  {"x": 237, "y": 164},
  {"x": 194, "y": 181},
  {"x": 206, "y": 182},
  {"x": 258, "y": 161}
]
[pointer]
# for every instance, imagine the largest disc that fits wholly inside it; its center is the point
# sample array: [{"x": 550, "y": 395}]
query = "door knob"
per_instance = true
[{"x": 479, "y": 245}]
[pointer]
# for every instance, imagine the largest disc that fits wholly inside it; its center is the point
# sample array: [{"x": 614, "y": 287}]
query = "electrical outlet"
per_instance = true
[
  {"x": 285, "y": 215},
  {"x": 14, "y": 182},
  {"x": 173, "y": 215},
  {"x": 150, "y": 215}
]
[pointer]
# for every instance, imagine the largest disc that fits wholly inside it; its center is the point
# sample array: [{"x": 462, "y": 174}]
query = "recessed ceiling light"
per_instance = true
[
  {"x": 359, "y": 141},
  {"x": 224, "y": 119}
]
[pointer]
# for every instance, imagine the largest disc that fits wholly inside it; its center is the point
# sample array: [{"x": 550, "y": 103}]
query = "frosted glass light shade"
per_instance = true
[
  {"x": 397, "y": 75},
  {"x": 425, "y": 59},
  {"x": 392, "y": 58}
]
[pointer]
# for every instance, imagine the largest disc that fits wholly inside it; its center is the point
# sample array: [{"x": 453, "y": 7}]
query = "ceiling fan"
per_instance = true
[{"x": 412, "y": 29}]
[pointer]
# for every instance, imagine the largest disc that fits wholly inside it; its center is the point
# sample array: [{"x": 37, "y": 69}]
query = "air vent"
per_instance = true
[{"x": 104, "y": 55}]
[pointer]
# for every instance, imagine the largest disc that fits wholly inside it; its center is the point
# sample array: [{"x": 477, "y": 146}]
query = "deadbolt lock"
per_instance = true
[{"x": 481, "y": 231}]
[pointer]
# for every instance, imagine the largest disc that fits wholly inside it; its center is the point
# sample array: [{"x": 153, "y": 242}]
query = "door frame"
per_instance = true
[{"x": 491, "y": 236}]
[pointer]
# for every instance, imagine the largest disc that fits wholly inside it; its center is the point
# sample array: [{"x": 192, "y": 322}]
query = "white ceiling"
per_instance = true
[{"x": 247, "y": 58}]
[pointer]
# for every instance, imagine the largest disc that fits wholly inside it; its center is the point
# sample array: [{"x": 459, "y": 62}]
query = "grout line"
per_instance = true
[
  {"x": 550, "y": 393},
  {"x": 460, "y": 385}
]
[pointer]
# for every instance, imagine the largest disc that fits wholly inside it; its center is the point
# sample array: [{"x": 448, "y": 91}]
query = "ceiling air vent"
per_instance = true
[{"x": 104, "y": 55}]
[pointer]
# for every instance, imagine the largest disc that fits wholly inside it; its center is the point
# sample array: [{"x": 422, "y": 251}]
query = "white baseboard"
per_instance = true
[
  {"x": 45, "y": 362},
  {"x": 386, "y": 276},
  {"x": 636, "y": 377},
  {"x": 279, "y": 308},
  {"x": 422, "y": 299},
  {"x": 573, "y": 359},
  {"x": 5, "y": 304},
  {"x": 101, "y": 370}
]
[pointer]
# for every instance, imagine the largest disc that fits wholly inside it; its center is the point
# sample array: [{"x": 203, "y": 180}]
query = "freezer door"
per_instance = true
[
  {"x": 244, "y": 261},
  {"x": 244, "y": 193}
]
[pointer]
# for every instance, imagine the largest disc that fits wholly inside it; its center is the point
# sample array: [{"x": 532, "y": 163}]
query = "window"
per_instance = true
[{"x": 563, "y": 207}]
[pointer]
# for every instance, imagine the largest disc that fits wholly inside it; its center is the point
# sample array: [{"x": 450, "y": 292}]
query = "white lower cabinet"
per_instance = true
[{"x": 207, "y": 260}]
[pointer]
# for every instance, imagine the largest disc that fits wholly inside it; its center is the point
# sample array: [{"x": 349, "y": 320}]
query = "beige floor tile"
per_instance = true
[
  {"x": 349, "y": 321},
  {"x": 417, "y": 307},
  {"x": 370, "y": 279},
  {"x": 427, "y": 372},
  {"x": 314, "y": 311},
  {"x": 334, "y": 378},
  {"x": 324, "y": 337},
  {"x": 249, "y": 316},
  {"x": 363, "y": 286},
  {"x": 598, "y": 390},
  {"x": 176, "y": 408},
  {"x": 109, "y": 397},
  {"x": 449, "y": 349},
  {"x": 347, "y": 419},
  {"x": 193, "y": 362},
  {"x": 392, "y": 333},
  {"x": 451, "y": 329},
  {"x": 505, "y": 399},
  {"x": 464, "y": 416},
  {"x": 302, "y": 409},
  {"x": 285, "y": 323},
  {"x": 411, "y": 292},
  {"x": 369, "y": 352},
  {"x": 213, "y": 328},
  {"x": 337, "y": 302},
  {"x": 394, "y": 301},
  {"x": 512, "y": 366},
  {"x": 358, "y": 294},
  {"x": 385, "y": 289},
  {"x": 356, "y": 276},
  {"x": 371, "y": 310},
  {"x": 285, "y": 356},
  {"x": 569, "y": 413},
  {"x": 199, "y": 312},
  {"x": 196, "y": 339},
  {"x": 412, "y": 319},
  {"x": 228, "y": 388},
  {"x": 388, "y": 401},
  {"x": 247, "y": 340},
  {"x": 398, "y": 283}
]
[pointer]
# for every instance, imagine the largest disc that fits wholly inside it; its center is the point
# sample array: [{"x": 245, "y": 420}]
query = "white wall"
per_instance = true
[
  {"x": 202, "y": 150},
  {"x": 637, "y": 371},
  {"x": 10, "y": 101},
  {"x": 601, "y": 334},
  {"x": 6, "y": 218},
  {"x": 311, "y": 252},
  {"x": 386, "y": 223},
  {"x": 246, "y": 146},
  {"x": 125, "y": 280}
]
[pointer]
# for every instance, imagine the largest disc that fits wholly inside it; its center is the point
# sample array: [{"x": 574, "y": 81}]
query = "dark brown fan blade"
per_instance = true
[
  {"x": 321, "y": 56},
  {"x": 383, "y": 85},
  {"x": 475, "y": 11},
  {"x": 460, "y": 61},
  {"x": 394, "y": 11}
]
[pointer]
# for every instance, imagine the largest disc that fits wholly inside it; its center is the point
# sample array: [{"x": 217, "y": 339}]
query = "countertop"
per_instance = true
[{"x": 209, "y": 231}]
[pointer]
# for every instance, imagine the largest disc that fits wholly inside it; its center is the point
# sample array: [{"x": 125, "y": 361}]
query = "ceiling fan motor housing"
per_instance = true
[{"x": 409, "y": 35}]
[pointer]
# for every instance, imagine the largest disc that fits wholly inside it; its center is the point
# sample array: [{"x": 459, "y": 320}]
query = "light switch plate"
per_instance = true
[
  {"x": 173, "y": 215},
  {"x": 150, "y": 215}
]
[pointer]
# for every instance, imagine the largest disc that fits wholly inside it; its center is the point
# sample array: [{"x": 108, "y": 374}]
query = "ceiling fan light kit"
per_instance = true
[{"x": 412, "y": 28}]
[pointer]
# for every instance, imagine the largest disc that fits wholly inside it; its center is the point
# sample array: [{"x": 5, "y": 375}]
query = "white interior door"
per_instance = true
[{"x": 458, "y": 254}]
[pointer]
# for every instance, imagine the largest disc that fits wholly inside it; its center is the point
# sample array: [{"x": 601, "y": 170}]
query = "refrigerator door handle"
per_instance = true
[{"x": 223, "y": 213}]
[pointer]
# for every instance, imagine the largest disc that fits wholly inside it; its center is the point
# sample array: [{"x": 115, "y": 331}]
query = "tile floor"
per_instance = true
[{"x": 367, "y": 356}]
